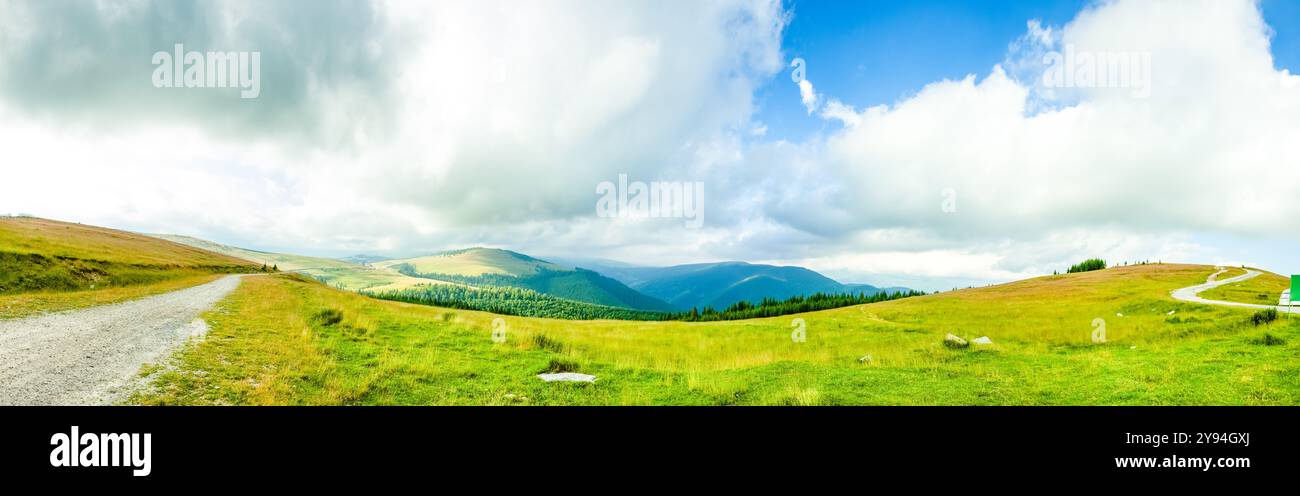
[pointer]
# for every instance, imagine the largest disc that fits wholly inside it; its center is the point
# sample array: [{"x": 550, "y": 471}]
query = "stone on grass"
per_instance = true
[
  {"x": 953, "y": 341},
  {"x": 865, "y": 359},
  {"x": 982, "y": 340},
  {"x": 567, "y": 377}
]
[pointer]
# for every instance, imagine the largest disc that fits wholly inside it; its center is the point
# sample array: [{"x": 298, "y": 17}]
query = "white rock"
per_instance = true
[
  {"x": 1117, "y": 314},
  {"x": 865, "y": 359},
  {"x": 982, "y": 340},
  {"x": 567, "y": 377},
  {"x": 954, "y": 341},
  {"x": 1171, "y": 312}
]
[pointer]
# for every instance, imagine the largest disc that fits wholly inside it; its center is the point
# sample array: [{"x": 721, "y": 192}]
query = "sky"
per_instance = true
[{"x": 927, "y": 144}]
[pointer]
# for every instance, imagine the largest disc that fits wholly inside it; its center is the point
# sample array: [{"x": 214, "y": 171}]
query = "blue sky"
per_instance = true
[{"x": 870, "y": 53}]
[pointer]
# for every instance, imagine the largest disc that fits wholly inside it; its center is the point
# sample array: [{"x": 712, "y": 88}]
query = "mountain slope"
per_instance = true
[
  {"x": 40, "y": 254},
  {"x": 338, "y": 273},
  {"x": 48, "y": 265},
  {"x": 284, "y": 261},
  {"x": 57, "y": 239},
  {"x": 719, "y": 285},
  {"x": 472, "y": 262},
  {"x": 496, "y": 267}
]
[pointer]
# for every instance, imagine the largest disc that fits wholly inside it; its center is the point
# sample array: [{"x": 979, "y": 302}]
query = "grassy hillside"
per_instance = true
[
  {"x": 280, "y": 340},
  {"x": 1264, "y": 289},
  {"x": 485, "y": 267},
  {"x": 56, "y": 239},
  {"x": 337, "y": 273},
  {"x": 476, "y": 262},
  {"x": 47, "y": 265}
]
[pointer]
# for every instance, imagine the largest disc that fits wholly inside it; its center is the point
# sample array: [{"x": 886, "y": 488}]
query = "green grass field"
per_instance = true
[
  {"x": 48, "y": 265},
  {"x": 287, "y": 340}
]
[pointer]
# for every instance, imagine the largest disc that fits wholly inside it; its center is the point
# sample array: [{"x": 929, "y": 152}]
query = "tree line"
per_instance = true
[{"x": 528, "y": 303}]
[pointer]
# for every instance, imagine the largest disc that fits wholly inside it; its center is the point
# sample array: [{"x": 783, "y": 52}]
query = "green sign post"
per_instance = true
[{"x": 1295, "y": 287}]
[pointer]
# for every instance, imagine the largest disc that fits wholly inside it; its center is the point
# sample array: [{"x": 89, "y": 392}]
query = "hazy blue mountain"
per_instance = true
[
  {"x": 364, "y": 259},
  {"x": 497, "y": 267},
  {"x": 719, "y": 285}
]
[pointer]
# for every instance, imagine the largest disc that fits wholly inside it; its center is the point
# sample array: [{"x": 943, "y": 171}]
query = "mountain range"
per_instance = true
[
  {"x": 721, "y": 284},
  {"x": 597, "y": 281}
]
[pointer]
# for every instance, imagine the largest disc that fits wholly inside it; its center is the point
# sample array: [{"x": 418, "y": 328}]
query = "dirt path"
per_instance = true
[
  {"x": 1190, "y": 293},
  {"x": 93, "y": 356}
]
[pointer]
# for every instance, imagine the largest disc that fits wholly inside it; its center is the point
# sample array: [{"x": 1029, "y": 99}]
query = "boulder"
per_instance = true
[
  {"x": 567, "y": 377},
  {"x": 954, "y": 341},
  {"x": 982, "y": 340}
]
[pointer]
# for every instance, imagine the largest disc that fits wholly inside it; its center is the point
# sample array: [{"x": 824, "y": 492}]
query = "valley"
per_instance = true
[{"x": 303, "y": 335}]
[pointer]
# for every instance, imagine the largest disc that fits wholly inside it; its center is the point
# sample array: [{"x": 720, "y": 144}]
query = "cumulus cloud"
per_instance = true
[
  {"x": 409, "y": 126},
  {"x": 440, "y": 117},
  {"x": 1186, "y": 158},
  {"x": 808, "y": 95}
]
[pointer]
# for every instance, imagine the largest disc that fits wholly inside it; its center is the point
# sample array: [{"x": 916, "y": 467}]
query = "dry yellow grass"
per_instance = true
[
  {"x": 51, "y": 238},
  {"x": 25, "y": 304}
]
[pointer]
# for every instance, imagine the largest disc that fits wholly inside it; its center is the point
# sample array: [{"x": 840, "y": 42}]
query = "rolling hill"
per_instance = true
[
  {"x": 496, "y": 267},
  {"x": 339, "y": 273},
  {"x": 719, "y": 285},
  {"x": 48, "y": 265}
]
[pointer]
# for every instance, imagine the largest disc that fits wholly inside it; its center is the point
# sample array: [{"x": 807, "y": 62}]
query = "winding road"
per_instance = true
[
  {"x": 1190, "y": 293},
  {"x": 93, "y": 356}
]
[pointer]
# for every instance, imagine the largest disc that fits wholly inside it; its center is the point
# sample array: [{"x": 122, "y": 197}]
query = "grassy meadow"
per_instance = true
[
  {"x": 48, "y": 265},
  {"x": 284, "y": 339}
]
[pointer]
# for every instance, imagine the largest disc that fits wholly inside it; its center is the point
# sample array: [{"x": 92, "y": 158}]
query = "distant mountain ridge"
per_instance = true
[
  {"x": 498, "y": 267},
  {"x": 363, "y": 259},
  {"x": 721, "y": 284}
]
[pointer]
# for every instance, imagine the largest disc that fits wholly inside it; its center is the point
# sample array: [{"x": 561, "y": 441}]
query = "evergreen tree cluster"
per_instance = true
[
  {"x": 1088, "y": 265},
  {"x": 528, "y": 303}
]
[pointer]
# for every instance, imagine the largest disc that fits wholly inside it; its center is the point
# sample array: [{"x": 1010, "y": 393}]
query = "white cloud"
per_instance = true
[
  {"x": 494, "y": 121},
  {"x": 495, "y": 115},
  {"x": 808, "y": 95},
  {"x": 1191, "y": 157}
]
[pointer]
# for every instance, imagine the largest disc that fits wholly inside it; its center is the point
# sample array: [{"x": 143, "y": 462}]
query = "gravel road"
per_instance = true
[
  {"x": 1190, "y": 293},
  {"x": 93, "y": 356}
]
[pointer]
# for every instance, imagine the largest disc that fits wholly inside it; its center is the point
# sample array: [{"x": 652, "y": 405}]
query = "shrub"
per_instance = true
[
  {"x": 548, "y": 344},
  {"x": 558, "y": 366},
  {"x": 1263, "y": 317},
  {"x": 327, "y": 317},
  {"x": 1270, "y": 340}
]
